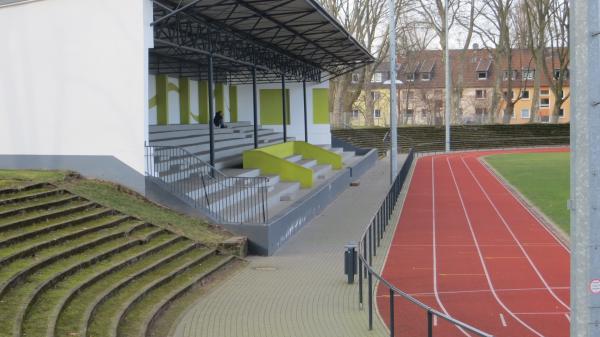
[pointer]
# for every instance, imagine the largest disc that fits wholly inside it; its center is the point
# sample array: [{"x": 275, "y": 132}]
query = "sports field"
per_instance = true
[{"x": 543, "y": 178}]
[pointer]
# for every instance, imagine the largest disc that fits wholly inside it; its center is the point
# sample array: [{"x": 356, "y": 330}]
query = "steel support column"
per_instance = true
[
  {"x": 585, "y": 167},
  {"x": 254, "y": 107},
  {"x": 393, "y": 94},
  {"x": 305, "y": 112},
  {"x": 447, "y": 71},
  {"x": 211, "y": 110},
  {"x": 284, "y": 117}
]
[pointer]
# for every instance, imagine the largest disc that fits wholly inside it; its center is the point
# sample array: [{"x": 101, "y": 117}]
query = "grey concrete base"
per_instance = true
[
  {"x": 265, "y": 239},
  {"x": 99, "y": 167}
]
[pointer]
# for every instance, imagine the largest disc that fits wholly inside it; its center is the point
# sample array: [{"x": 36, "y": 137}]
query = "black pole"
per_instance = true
[
  {"x": 284, "y": 108},
  {"x": 360, "y": 282},
  {"x": 370, "y": 281},
  {"x": 391, "y": 313},
  {"x": 211, "y": 110},
  {"x": 305, "y": 117},
  {"x": 429, "y": 324},
  {"x": 254, "y": 106}
]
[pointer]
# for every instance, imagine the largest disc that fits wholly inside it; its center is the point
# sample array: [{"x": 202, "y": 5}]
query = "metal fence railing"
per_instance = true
[
  {"x": 367, "y": 248},
  {"x": 226, "y": 199}
]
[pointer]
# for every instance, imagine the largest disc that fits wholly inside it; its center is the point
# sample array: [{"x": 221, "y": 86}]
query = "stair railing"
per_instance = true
[{"x": 241, "y": 200}]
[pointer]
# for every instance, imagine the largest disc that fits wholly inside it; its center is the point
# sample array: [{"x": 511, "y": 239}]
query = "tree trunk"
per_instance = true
[{"x": 508, "y": 113}]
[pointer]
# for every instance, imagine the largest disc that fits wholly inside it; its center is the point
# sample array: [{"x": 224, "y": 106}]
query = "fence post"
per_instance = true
[
  {"x": 371, "y": 301},
  {"x": 374, "y": 238},
  {"x": 429, "y": 324},
  {"x": 391, "y": 313},
  {"x": 360, "y": 284}
]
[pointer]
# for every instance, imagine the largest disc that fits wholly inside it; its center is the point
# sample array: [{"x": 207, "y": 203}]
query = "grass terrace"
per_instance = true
[{"x": 89, "y": 258}]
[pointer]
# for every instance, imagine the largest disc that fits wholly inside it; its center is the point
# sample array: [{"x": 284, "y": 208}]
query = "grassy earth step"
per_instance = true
[
  {"x": 156, "y": 284},
  {"x": 37, "y": 204},
  {"x": 102, "y": 317},
  {"x": 75, "y": 316},
  {"x": 36, "y": 316},
  {"x": 12, "y": 301},
  {"x": 48, "y": 254},
  {"x": 23, "y": 189},
  {"x": 29, "y": 195},
  {"x": 139, "y": 320},
  {"x": 44, "y": 215},
  {"x": 35, "y": 230},
  {"x": 21, "y": 268},
  {"x": 73, "y": 288},
  {"x": 18, "y": 251}
]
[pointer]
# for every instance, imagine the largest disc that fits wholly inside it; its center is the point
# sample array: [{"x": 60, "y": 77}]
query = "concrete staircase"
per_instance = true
[{"x": 233, "y": 194}]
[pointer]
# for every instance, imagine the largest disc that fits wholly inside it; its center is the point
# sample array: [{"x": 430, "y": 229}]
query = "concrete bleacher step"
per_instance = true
[
  {"x": 321, "y": 171},
  {"x": 237, "y": 172},
  {"x": 186, "y": 134},
  {"x": 198, "y": 139},
  {"x": 295, "y": 158},
  {"x": 184, "y": 127},
  {"x": 308, "y": 163}
]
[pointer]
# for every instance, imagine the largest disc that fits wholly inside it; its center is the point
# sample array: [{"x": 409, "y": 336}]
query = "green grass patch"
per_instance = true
[
  {"x": 121, "y": 199},
  {"x": 543, "y": 178}
]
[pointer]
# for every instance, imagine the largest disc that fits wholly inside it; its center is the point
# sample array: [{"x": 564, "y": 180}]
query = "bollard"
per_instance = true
[{"x": 350, "y": 260}]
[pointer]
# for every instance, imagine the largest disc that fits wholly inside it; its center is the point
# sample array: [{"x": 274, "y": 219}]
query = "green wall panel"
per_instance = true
[
  {"x": 203, "y": 108},
  {"x": 219, "y": 99},
  {"x": 184, "y": 101},
  {"x": 162, "y": 99},
  {"x": 320, "y": 100},
  {"x": 233, "y": 103},
  {"x": 270, "y": 106}
]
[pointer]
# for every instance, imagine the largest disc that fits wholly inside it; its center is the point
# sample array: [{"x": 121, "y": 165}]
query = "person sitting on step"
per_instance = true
[{"x": 219, "y": 120}]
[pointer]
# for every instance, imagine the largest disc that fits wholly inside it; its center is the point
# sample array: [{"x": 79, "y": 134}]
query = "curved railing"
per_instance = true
[
  {"x": 226, "y": 199},
  {"x": 367, "y": 248}
]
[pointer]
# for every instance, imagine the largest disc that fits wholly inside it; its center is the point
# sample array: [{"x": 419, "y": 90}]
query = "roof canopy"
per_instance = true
[{"x": 296, "y": 38}]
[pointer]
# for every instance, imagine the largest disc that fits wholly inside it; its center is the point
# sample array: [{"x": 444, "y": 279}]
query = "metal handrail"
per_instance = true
[
  {"x": 201, "y": 185},
  {"x": 367, "y": 248}
]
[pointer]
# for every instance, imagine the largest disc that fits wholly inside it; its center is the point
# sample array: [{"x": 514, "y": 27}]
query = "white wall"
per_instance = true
[
  {"x": 317, "y": 133},
  {"x": 73, "y": 78}
]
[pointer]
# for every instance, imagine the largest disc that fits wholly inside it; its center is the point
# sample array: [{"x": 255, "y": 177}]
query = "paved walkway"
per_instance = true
[{"x": 301, "y": 290}]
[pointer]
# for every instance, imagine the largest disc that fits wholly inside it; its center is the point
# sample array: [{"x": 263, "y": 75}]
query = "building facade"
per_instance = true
[{"x": 421, "y": 90}]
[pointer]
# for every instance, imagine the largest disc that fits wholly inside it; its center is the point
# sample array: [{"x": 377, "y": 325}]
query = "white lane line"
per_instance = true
[
  {"x": 481, "y": 259},
  {"x": 434, "y": 320},
  {"x": 560, "y": 243},
  {"x": 507, "y": 226},
  {"x": 542, "y": 313},
  {"x": 485, "y": 291},
  {"x": 434, "y": 246},
  {"x": 568, "y": 317},
  {"x": 503, "y": 321}
]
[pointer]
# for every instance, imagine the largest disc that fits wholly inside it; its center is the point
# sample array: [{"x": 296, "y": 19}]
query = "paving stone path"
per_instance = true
[{"x": 301, "y": 290}]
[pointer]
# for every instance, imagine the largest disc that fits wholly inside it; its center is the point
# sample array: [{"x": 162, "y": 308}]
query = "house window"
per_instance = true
[
  {"x": 545, "y": 119},
  {"x": 544, "y": 102},
  {"x": 528, "y": 74},
  {"x": 409, "y": 112},
  {"x": 375, "y": 95},
  {"x": 556, "y": 73},
  {"x": 425, "y": 76},
  {"x": 480, "y": 94},
  {"x": 377, "y": 113},
  {"x": 480, "y": 111},
  {"x": 482, "y": 75},
  {"x": 525, "y": 94},
  {"x": 355, "y": 77},
  {"x": 561, "y": 113},
  {"x": 355, "y": 113},
  {"x": 410, "y": 77},
  {"x": 525, "y": 113},
  {"x": 377, "y": 78},
  {"x": 544, "y": 92},
  {"x": 505, "y": 75}
]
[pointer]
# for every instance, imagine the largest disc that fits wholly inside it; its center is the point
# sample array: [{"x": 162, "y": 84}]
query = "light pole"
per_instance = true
[
  {"x": 447, "y": 70},
  {"x": 393, "y": 93}
]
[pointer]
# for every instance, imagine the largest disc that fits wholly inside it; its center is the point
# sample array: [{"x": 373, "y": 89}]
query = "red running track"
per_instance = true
[{"x": 466, "y": 246}]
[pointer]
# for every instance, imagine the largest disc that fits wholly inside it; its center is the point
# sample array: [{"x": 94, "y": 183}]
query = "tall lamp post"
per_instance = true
[
  {"x": 393, "y": 93},
  {"x": 447, "y": 71}
]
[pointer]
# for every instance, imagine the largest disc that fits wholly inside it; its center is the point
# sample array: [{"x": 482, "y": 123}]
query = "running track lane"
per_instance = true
[{"x": 466, "y": 246}]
